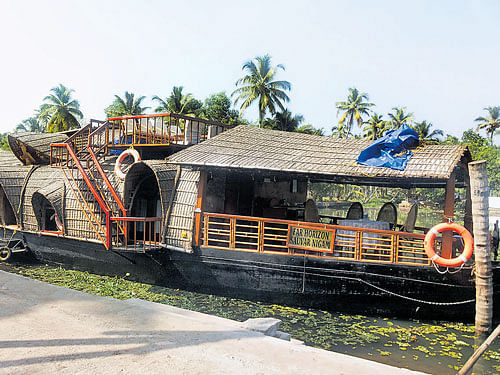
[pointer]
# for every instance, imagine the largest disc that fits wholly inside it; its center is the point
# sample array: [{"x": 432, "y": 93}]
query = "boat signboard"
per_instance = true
[{"x": 311, "y": 238}]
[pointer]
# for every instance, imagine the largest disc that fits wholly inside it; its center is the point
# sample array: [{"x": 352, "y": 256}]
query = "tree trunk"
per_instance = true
[{"x": 484, "y": 279}]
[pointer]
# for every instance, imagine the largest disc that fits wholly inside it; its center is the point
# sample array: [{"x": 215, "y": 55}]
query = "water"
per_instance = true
[{"x": 432, "y": 347}]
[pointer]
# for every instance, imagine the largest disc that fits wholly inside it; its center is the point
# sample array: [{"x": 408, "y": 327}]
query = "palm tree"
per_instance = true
[
  {"x": 284, "y": 121},
  {"x": 424, "y": 133},
  {"x": 128, "y": 106},
  {"x": 399, "y": 117},
  {"x": 258, "y": 85},
  {"x": 32, "y": 124},
  {"x": 491, "y": 122},
  {"x": 339, "y": 131},
  {"x": 354, "y": 109},
  {"x": 177, "y": 102},
  {"x": 309, "y": 129},
  {"x": 375, "y": 127},
  {"x": 61, "y": 110},
  {"x": 42, "y": 116}
]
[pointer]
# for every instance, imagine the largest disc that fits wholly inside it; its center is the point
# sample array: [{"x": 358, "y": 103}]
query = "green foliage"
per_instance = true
[
  {"x": 355, "y": 107},
  {"x": 400, "y": 117},
  {"x": 450, "y": 140},
  {"x": 31, "y": 124},
  {"x": 217, "y": 108},
  {"x": 309, "y": 129},
  {"x": 491, "y": 122},
  {"x": 339, "y": 131},
  {"x": 258, "y": 84},
  {"x": 61, "y": 110},
  {"x": 4, "y": 142},
  {"x": 375, "y": 127},
  {"x": 425, "y": 134},
  {"x": 284, "y": 121},
  {"x": 127, "y": 106},
  {"x": 178, "y": 102},
  {"x": 482, "y": 149}
]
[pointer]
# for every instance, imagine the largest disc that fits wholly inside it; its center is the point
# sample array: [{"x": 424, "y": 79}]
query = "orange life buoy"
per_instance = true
[
  {"x": 454, "y": 262},
  {"x": 121, "y": 158}
]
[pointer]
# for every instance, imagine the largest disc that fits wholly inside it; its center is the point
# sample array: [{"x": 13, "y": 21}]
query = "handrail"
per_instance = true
[
  {"x": 316, "y": 225},
  {"x": 102, "y": 173},
  {"x": 81, "y": 130},
  {"x": 138, "y": 116},
  {"x": 90, "y": 186},
  {"x": 210, "y": 122},
  {"x": 135, "y": 218},
  {"x": 273, "y": 236}
]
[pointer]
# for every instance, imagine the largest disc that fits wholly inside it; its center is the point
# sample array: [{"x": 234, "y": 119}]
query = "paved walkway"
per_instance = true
[{"x": 47, "y": 329}]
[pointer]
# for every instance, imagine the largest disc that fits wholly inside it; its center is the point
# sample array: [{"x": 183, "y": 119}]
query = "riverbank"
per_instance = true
[
  {"x": 433, "y": 347},
  {"x": 50, "y": 329}
]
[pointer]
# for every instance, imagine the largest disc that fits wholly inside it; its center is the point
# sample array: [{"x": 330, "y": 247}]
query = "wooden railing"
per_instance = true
[
  {"x": 143, "y": 233},
  {"x": 163, "y": 129},
  {"x": 244, "y": 233}
]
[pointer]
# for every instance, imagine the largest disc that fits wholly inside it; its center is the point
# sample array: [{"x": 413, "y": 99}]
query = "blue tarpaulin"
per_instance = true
[{"x": 392, "y": 150}]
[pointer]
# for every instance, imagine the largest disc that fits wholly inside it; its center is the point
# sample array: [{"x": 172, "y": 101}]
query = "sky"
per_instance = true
[{"x": 439, "y": 59}]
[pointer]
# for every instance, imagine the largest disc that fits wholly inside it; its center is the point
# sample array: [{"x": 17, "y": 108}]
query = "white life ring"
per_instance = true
[{"x": 118, "y": 165}]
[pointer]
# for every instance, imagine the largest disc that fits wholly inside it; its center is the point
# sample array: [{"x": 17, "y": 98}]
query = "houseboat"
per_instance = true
[{"x": 225, "y": 210}]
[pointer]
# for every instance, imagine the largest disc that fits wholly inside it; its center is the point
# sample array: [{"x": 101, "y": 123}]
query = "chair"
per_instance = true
[
  {"x": 311, "y": 213},
  {"x": 409, "y": 225},
  {"x": 389, "y": 214},
  {"x": 355, "y": 211}
]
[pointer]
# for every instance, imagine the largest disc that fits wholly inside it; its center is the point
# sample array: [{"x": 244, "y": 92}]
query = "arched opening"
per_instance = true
[
  {"x": 146, "y": 198},
  {"x": 7, "y": 215},
  {"x": 142, "y": 197},
  {"x": 46, "y": 215}
]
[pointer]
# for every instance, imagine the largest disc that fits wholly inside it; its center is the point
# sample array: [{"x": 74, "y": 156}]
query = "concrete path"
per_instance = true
[{"x": 46, "y": 329}]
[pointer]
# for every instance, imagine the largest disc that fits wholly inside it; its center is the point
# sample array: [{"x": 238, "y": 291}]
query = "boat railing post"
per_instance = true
[{"x": 232, "y": 232}]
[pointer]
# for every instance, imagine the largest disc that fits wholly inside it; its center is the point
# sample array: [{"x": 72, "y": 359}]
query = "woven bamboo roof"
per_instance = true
[
  {"x": 248, "y": 147},
  {"x": 34, "y": 148}
]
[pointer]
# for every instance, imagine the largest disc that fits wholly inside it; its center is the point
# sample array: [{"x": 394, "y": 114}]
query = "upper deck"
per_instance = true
[{"x": 165, "y": 129}]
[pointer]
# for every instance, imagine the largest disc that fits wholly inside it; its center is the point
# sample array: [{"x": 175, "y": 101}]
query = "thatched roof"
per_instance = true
[
  {"x": 13, "y": 177},
  {"x": 247, "y": 147},
  {"x": 34, "y": 148}
]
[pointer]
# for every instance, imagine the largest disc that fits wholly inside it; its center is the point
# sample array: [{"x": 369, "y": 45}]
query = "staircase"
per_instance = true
[{"x": 81, "y": 158}]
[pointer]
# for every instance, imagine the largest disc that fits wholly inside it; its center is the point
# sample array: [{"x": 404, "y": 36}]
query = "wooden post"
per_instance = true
[
  {"x": 479, "y": 352},
  {"x": 199, "y": 206},
  {"x": 449, "y": 206},
  {"x": 484, "y": 274}
]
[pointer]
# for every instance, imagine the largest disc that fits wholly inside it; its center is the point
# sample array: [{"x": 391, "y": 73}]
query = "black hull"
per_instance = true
[{"x": 355, "y": 287}]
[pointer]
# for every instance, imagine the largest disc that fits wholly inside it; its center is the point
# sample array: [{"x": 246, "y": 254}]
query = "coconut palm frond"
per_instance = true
[{"x": 258, "y": 84}]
